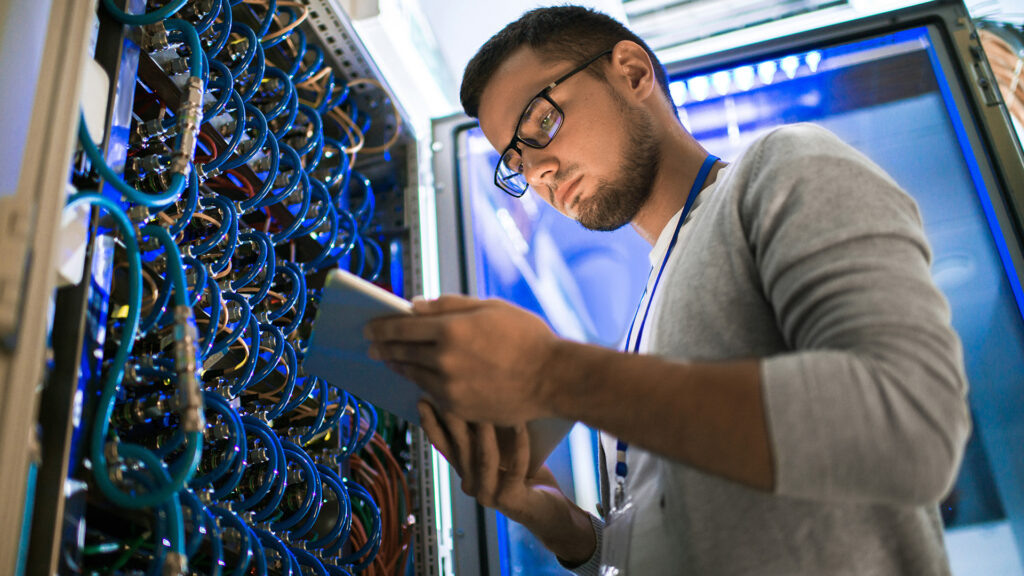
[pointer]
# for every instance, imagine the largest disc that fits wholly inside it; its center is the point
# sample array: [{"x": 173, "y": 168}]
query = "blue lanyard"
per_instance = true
[{"x": 621, "y": 469}]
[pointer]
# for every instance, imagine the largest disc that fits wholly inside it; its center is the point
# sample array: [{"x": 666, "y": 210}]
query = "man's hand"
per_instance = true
[
  {"x": 481, "y": 359},
  {"x": 535, "y": 502}
]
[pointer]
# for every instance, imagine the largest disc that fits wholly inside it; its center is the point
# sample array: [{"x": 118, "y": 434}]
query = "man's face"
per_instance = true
[{"x": 600, "y": 166}]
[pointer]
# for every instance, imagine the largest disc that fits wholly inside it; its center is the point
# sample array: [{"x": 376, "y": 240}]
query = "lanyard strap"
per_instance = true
[{"x": 621, "y": 469}]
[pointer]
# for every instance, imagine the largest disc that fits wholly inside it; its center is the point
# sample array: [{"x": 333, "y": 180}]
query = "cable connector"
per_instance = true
[
  {"x": 150, "y": 128},
  {"x": 154, "y": 37},
  {"x": 175, "y": 564},
  {"x": 190, "y": 396},
  {"x": 190, "y": 117}
]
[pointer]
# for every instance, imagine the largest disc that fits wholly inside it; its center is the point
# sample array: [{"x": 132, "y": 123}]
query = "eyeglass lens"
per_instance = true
[{"x": 540, "y": 121}]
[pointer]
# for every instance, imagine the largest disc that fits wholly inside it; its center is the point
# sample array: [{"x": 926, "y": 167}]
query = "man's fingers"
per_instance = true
[
  {"x": 521, "y": 461},
  {"x": 462, "y": 444},
  {"x": 436, "y": 433},
  {"x": 488, "y": 459}
]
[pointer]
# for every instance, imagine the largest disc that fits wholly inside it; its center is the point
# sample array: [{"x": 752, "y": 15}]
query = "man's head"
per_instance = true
[
  {"x": 570, "y": 33},
  {"x": 599, "y": 165}
]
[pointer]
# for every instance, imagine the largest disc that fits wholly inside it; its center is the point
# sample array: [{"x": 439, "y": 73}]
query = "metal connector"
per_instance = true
[
  {"x": 150, "y": 128},
  {"x": 190, "y": 117},
  {"x": 175, "y": 564},
  {"x": 154, "y": 37},
  {"x": 190, "y": 396}
]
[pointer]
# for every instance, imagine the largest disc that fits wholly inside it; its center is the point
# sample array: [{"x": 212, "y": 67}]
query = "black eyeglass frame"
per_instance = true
[{"x": 545, "y": 94}]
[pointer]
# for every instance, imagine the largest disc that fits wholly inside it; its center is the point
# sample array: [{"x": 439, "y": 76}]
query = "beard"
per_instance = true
[{"x": 615, "y": 203}]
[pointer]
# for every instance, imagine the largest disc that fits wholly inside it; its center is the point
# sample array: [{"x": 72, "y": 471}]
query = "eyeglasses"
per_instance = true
[{"x": 536, "y": 128}]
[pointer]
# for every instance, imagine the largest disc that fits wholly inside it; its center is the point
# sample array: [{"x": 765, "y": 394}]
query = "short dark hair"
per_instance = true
[{"x": 573, "y": 33}]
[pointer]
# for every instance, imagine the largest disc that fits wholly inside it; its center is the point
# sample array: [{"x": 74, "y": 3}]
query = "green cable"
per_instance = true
[{"x": 112, "y": 379}]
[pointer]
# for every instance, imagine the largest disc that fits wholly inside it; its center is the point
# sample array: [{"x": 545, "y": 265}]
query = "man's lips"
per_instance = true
[{"x": 566, "y": 192}]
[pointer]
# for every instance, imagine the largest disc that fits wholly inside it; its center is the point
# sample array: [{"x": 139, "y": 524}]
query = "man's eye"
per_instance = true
[{"x": 547, "y": 122}]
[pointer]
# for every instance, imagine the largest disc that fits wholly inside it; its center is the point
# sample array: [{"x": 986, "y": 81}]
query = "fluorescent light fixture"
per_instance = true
[
  {"x": 698, "y": 87},
  {"x": 766, "y": 71},
  {"x": 789, "y": 65},
  {"x": 722, "y": 81},
  {"x": 744, "y": 76},
  {"x": 813, "y": 59},
  {"x": 678, "y": 91}
]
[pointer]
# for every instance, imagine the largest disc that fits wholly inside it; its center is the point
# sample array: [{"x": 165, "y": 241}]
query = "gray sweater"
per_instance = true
[{"x": 808, "y": 256}]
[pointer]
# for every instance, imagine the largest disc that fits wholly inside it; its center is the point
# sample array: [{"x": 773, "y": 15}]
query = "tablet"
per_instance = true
[{"x": 338, "y": 353}]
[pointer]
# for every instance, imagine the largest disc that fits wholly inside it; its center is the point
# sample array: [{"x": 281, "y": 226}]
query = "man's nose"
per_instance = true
[{"x": 539, "y": 168}]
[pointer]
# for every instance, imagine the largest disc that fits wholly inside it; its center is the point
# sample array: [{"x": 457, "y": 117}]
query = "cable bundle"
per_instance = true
[{"x": 238, "y": 194}]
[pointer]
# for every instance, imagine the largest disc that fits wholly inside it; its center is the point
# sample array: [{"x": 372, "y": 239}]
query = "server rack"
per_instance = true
[{"x": 52, "y": 356}]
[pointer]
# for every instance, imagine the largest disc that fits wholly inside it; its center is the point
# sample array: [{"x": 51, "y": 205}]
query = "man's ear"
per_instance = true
[{"x": 633, "y": 68}]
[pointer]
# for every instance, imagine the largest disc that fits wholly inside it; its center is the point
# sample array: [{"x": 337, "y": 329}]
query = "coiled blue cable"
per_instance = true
[
  {"x": 223, "y": 30},
  {"x": 300, "y": 52},
  {"x": 318, "y": 59},
  {"x": 191, "y": 203},
  {"x": 200, "y": 282},
  {"x": 274, "y": 468},
  {"x": 364, "y": 556},
  {"x": 225, "y": 83},
  {"x": 321, "y": 411},
  {"x": 261, "y": 259},
  {"x": 289, "y": 121},
  {"x": 289, "y": 565},
  {"x": 298, "y": 283},
  {"x": 378, "y": 258},
  {"x": 308, "y": 385},
  {"x": 208, "y": 334},
  {"x": 222, "y": 155},
  {"x": 292, "y": 367},
  {"x": 250, "y": 49},
  {"x": 256, "y": 74},
  {"x": 260, "y": 567},
  {"x": 276, "y": 352},
  {"x": 208, "y": 19},
  {"x": 255, "y": 143},
  {"x": 319, "y": 194},
  {"x": 299, "y": 214},
  {"x": 285, "y": 87},
  {"x": 309, "y": 510},
  {"x": 238, "y": 383},
  {"x": 291, "y": 159},
  {"x": 238, "y": 448},
  {"x": 318, "y": 129},
  {"x": 339, "y": 532},
  {"x": 228, "y": 216},
  {"x": 306, "y": 559},
  {"x": 245, "y": 545},
  {"x": 239, "y": 325},
  {"x": 268, "y": 19}
]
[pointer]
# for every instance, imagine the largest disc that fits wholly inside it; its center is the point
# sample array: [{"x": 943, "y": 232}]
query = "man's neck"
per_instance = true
[{"x": 681, "y": 158}]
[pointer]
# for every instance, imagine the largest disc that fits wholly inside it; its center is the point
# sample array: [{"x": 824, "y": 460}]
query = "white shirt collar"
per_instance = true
[{"x": 660, "y": 247}]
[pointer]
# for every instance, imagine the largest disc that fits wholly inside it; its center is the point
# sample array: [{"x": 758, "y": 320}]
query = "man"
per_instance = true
[{"x": 791, "y": 397}]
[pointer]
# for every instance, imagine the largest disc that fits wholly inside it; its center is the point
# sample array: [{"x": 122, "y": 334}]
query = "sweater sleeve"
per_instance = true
[
  {"x": 871, "y": 404},
  {"x": 592, "y": 567}
]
